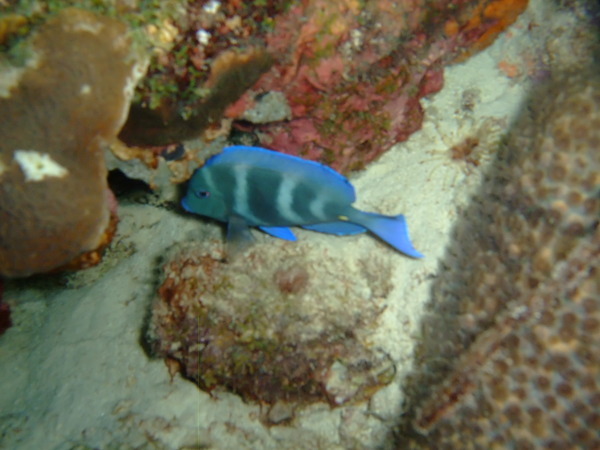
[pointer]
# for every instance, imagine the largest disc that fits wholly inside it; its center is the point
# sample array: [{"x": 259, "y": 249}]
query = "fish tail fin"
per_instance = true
[{"x": 390, "y": 229}]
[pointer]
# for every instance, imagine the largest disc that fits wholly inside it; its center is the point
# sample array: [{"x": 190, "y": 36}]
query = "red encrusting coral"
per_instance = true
[{"x": 353, "y": 75}]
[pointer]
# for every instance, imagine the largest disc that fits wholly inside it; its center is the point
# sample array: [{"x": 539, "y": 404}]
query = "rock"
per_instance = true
[{"x": 292, "y": 331}]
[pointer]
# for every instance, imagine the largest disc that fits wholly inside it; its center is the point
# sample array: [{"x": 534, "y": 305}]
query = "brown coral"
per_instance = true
[
  {"x": 232, "y": 72},
  {"x": 279, "y": 334},
  {"x": 67, "y": 92},
  {"x": 518, "y": 310}
]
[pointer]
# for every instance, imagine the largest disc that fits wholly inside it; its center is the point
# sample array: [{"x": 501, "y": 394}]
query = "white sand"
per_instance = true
[{"x": 72, "y": 370}]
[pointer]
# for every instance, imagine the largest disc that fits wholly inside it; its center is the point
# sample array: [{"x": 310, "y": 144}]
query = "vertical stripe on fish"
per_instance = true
[
  {"x": 302, "y": 197},
  {"x": 223, "y": 176},
  {"x": 286, "y": 200},
  {"x": 261, "y": 197}
]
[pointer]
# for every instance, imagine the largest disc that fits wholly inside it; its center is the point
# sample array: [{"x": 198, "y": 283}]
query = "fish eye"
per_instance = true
[{"x": 202, "y": 194}]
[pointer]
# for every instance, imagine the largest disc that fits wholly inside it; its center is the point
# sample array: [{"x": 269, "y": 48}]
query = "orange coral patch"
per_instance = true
[
  {"x": 490, "y": 18},
  {"x": 503, "y": 13},
  {"x": 451, "y": 28},
  {"x": 509, "y": 69}
]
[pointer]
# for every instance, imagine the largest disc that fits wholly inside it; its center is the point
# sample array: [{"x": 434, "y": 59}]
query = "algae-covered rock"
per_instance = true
[
  {"x": 64, "y": 93},
  {"x": 281, "y": 324}
]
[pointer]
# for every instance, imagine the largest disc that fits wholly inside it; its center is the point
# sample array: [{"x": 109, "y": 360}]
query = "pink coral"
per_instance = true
[
  {"x": 354, "y": 87},
  {"x": 351, "y": 73}
]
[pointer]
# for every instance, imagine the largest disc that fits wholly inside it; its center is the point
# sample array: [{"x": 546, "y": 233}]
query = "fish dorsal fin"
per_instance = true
[{"x": 311, "y": 171}]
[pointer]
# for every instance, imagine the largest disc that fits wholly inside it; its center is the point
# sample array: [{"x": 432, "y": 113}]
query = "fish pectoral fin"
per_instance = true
[
  {"x": 337, "y": 228},
  {"x": 280, "y": 232},
  {"x": 238, "y": 232}
]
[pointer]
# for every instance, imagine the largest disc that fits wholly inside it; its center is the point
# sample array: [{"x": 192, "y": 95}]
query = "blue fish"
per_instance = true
[{"x": 254, "y": 187}]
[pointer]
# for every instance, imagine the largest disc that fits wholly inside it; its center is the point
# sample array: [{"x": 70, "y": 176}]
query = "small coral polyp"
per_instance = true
[{"x": 268, "y": 337}]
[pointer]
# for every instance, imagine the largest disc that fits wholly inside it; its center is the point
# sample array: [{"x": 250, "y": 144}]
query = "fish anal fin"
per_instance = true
[
  {"x": 337, "y": 228},
  {"x": 280, "y": 232}
]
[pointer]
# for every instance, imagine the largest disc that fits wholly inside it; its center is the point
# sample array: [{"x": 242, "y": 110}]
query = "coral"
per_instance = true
[
  {"x": 343, "y": 79},
  {"x": 203, "y": 61},
  {"x": 511, "y": 353},
  {"x": 65, "y": 92},
  {"x": 292, "y": 331},
  {"x": 232, "y": 72},
  {"x": 353, "y": 73},
  {"x": 347, "y": 76},
  {"x": 92, "y": 257},
  {"x": 484, "y": 23}
]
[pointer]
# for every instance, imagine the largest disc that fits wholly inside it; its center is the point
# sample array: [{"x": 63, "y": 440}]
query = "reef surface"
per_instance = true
[
  {"x": 73, "y": 366},
  {"x": 335, "y": 82}
]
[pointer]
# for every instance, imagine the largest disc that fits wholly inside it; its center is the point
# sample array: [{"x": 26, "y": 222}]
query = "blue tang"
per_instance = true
[{"x": 254, "y": 187}]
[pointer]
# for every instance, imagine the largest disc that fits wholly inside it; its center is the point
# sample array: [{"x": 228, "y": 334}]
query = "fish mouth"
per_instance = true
[{"x": 185, "y": 206}]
